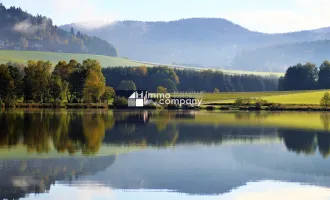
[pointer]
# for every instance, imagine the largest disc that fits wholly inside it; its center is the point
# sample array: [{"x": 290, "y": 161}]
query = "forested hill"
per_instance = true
[
  {"x": 208, "y": 42},
  {"x": 20, "y": 30},
  {"x": 280, "y": 57}
]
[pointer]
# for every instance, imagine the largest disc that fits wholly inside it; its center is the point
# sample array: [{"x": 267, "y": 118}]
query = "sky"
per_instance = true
[{"x": 269, "y": 16}]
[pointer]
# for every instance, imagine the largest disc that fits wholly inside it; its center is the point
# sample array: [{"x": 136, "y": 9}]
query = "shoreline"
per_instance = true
[{"x": 210, "y": 107}]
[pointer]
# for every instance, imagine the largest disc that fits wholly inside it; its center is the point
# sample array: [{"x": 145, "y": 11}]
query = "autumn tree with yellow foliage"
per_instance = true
[{"x": 94, "y": 86}]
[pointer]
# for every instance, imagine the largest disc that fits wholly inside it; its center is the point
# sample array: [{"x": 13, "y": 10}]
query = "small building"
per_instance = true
[
  {"x": 2, "y": 43},
  {"x": 17, "y": 48},
  {"x": 38, "y": 46}
]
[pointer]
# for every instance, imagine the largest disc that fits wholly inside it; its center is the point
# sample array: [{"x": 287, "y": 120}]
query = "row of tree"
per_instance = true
[
  {"x": 86, "y": 82},
  {"x": 149, "y": 78},
  {"x": 39, "y": 82},
  {"x": 306, "y": 77}
]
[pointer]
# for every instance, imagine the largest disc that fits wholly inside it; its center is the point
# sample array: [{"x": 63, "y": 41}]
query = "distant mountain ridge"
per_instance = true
[
  {"x": 205, "y": 41},
  {"x": 175, "y": 41},
  {"x": 279, "y": 57},
  {"x": 20, "y": 30}
]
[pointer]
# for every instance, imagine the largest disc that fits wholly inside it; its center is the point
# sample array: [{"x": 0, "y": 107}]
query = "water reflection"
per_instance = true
[
  {"x": 270, "y": 190},
  {"x": 186, "y": 152},
  {"x": 66, "y": 131},
  {"x": 299, "y": 141},
  {"x": 21, "y": 177},
  {"x": 87, "y": 131}
]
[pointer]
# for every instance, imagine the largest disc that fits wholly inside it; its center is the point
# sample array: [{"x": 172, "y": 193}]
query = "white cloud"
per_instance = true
[
  {"x": 82, "y": 11},
  {"x": 307, "y": 14},
  {"x": 94, "y": 24},
  {"x": 66, "y": 11},
  {"x": 288, "y": 15}
]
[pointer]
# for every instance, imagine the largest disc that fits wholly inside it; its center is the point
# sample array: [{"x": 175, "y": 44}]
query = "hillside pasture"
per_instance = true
[{"x": 106, "y": 61}]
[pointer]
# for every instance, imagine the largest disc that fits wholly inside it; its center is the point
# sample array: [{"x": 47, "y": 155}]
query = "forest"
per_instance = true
[
  {"x": 306, "y": 77},
  {"x": 87, "y": 82},
  {"x": 38, "y": 82},
  {"x": 20, "y": 30},
  {"x": 149, "y": 78}
]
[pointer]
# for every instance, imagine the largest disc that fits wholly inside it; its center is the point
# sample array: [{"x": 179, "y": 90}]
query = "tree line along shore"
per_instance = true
[{"x": 88, "y": 85}]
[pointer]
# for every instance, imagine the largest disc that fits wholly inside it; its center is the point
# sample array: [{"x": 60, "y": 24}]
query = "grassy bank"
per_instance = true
[
  {"x": 212, "y": 107},
  {"x": 270, "y": 107},
  {"x": 61, "y": 105},
  {"x": 310, "y": 97}
]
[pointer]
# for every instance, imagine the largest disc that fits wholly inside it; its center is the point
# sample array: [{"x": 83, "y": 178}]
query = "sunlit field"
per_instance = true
[
  {"x": 54, "y": 57},
  {"x": 285, "y": 97}
]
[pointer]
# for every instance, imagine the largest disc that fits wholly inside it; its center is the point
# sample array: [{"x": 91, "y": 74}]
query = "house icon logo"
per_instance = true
[{"x": 137, "y": 99}]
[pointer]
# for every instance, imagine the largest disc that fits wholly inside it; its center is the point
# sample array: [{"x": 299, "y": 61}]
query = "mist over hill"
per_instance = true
[
  {"x": 280, "y": 57},
  {"x": 208, "y": 42},
  {"x": 20, "y": 30}
]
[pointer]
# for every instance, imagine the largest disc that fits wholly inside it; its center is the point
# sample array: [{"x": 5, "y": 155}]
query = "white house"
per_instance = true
[
  {"x": 38, "y": 46},
  {"x": 2, "y": 43}
]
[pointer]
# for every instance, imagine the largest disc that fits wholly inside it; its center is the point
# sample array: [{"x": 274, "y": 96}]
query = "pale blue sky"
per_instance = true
[{"x": 259, "y": 15}]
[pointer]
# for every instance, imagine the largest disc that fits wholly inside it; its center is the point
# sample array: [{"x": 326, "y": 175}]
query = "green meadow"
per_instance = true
[
  {"x": 54, "y": 57},
  {"x": 106, "y": 61},
  {"x": 277, "y": 74},
  {"x": 281, "y": 97}
]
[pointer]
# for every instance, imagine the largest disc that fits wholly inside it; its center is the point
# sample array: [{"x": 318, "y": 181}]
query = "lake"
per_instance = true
[{"x": 140, "y": 154}]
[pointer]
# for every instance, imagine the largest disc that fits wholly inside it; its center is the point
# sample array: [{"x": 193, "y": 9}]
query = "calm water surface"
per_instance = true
[{"x": 97, "y": 154}]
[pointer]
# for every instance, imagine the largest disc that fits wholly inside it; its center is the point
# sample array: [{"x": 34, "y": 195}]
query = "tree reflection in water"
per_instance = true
[
  {"x": 85, "y": 131},
  {"x": 66, "y": 131}
]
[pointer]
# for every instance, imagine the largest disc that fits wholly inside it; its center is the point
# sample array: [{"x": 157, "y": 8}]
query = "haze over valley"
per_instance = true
[{"x": 211, "y": 42}]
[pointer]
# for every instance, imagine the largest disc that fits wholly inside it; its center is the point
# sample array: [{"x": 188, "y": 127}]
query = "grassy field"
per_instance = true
[
  {"x": 277, "y": 74},
  {"x": 106, "y": 61},
  {"x": 54, "y": 57},
  {"x": 226, "y": 71},
  {"x": 287, "y": 97}
]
